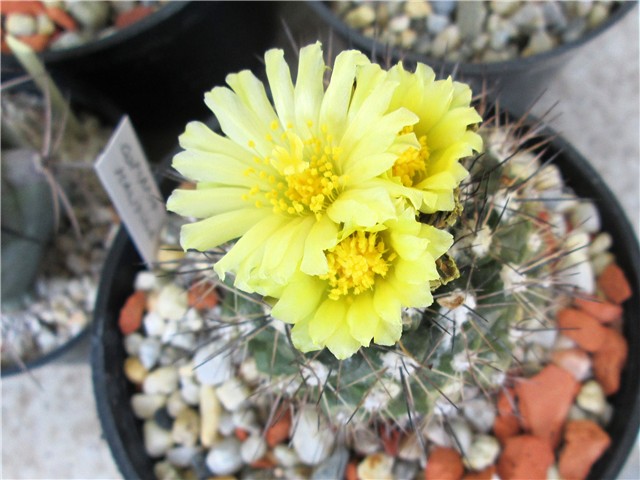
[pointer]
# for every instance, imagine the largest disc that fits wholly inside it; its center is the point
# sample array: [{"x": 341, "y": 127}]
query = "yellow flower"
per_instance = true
[
  {"x": 290, "y": 175},
  {"x": 432, "y": 170},
  {"x": 373, "y": 274}
]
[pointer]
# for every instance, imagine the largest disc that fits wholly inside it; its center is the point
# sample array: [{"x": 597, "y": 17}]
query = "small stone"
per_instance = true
[
  {"x": 554, "y": 16},
  {"x": 182, "y": 457},
  {"x": 417, "y": 8},
  {"x": 224, "y": 457},
  {"x": 186, "y": 428},
  {"x": 410, "y": 448},
  {"x": 378, "y": 466},
  {"x": 189, "y": 390},
  {"x": 149, "y": 351},
  {"x": 145, "y": 280},
  {"x": 210, "y": 411},
  {"x": 172, "y": 302},
  {"x": 600, "y": 243},
  {"x": 67, "y": 40},
  {"x": 399, "y": 24},
  {"x": 580, "y": 275},
  {"x": 19, "y": 24},
  {"x": 162, "y": 380},
  {"x": 44, "y": 25},
  {"x": 360, "y": 17},
  {"x": 163, "y": 419},
  {"x": 598, "y": 14},
  {"x": 312, "y": 439},
  {"x": 575, "y": 29},
  {"x": 504, "y": 7},
  {"x": 585, "y": 216},
  {"x": 91, "y": 15},
  {"x": 157, "y": 441},
  {"x": 601, "y": 261},
  {"x": 175, "y": 404},
  {"x": 334, "y": 466},
  {"x": 165, "y": 471},
  {"x": 529, "y": 18},
  {"x": 445, "y": 41},
  {"x": 132, "y": 343},
  {"x": 481, "y": 413},
  {"x": 232, "y": 394},
  {"x": 405, "y": 470},
  {"x": 154, "y": 324},
  {"x": 470, "y": 18},
  {"x": 443, "y": 7},
  {"x": 436, "y": 23},
  {"x": 591, "y": 398},
  {"x": 408, "y": 38},
  {"x": 285, "y": 456},
  {"x": 246, "y": 420},
  {"x": 539, "y": 42},
  {"x": 482, "y": 452},
  {"x": 145, "y": 406},
  {"x": 211, "y": 366},
  {"x": 253, "y": 448}
]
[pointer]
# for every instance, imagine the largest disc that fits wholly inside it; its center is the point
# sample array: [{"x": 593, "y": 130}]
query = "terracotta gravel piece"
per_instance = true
[
  {"x": 486, "y": 474},
  {"x": 525, "y": 457},
  {"x": 582, "y": 328},
  {"x": 605, "y": 312},
  {"x": 444, "y": 464},
  {"x": 584, "y": 443},
  {"x": 609, "y": 361},
  {"x": 544, "y": 402},
  {"x": 506, "y": 423},
  {"x": 131, "y": 313},
  {"x": 614, "y": 284}
]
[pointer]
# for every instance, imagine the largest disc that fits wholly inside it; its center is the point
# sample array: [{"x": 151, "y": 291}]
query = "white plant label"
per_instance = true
[{"x": 124, "y": 172}]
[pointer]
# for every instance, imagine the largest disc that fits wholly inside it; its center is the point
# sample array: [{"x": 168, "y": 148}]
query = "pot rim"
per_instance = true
[
  {"x": 120, "y": 36},
  {"x": 502, "y": 67},
  {"x": 568, "y": 158}
]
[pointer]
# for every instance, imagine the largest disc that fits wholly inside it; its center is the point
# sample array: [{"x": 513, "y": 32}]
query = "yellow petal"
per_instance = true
[
  {"x": 251, "y": 92},
  {"x": 214, "y": 231},
  {"x": 309, "y": 88},
  {"x": 363, "y": 319},
  {"x": 341, "y": 343},
  {"x": 281, "y": 86},
  {"x": 212, "y": 167},
  {"x": 322, "y": 236},
  {"x": 329, "y": 316},
  {"x": 206, "y": 202},
  {"x": 386, "y": 302},
  {"x": 300, "y": 298},
  {"x": 364, "y": 208},
  {"x": 301, "y": 339}
]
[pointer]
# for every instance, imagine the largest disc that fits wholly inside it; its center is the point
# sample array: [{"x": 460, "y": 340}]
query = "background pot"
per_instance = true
[
  {"x": 517, "y": 83},
  {"x": 37, "y": 203},
  {"x": 158, "y": 68},
  {"x": 113, "y": 391}
]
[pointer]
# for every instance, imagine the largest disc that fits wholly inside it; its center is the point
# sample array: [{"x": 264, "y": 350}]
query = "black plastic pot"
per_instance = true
[
  {"x": 158, "y": 68},
  {"x": 517, "y": 83},
  {"x": 82, "y": 99},
  {"x": 113, "y": 391}
]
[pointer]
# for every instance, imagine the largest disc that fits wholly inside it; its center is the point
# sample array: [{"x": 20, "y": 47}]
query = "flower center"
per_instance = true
[
  {"x": 411, "y": 165},
  {"x": 355, "y": 263},
  {"x": 300, "y": 178}
]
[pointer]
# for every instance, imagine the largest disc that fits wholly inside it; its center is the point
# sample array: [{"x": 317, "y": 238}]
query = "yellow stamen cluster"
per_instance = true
[
  {"x": 411, "y": 165},
  {"x": 301, "y": 192},
  {"x": 354, "y": 264}
]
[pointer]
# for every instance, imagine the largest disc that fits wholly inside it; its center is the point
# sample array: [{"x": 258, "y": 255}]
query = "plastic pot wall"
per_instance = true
[
  {"x": 517, "y": 83},
  {"x": 113, "y": 391}
]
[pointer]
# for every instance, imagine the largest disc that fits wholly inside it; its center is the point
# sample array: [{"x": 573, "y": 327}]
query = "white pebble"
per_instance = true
[
  {"x": 285, "y": 456},
  {"x": 253, "y": 448},
  {"x": 600, "y": 243},
  {"x": 175, "y": 404},
  {"x": 224, "y": 457},
  {"x": 149, "y": 351},
  {"x": 44, "y": 25},
  {"x": 591, "y": 398},
  {"x": 154, "y": 324},
  {"x": 162, "y": 380},
  {"x": 312, "y": 439},
  {"x": 145, "y": 405},
  {"x": 481, "y": 413},
  {"x": 172, "y": 302},
  {"x": 376, "y": 466},
  {"x": 210, "y": 411},
  {"x": 157, "y": 441},
  {"x": 585, "y": 217},
  {"x": 182, "y": 456},
  {"x": 19, "y": 24},
  {"x": 186, "y": 428},
  {"x": 482, "y": 452},
  {"x": 399, "y": 23},
  {"x": 410, "y": 448},
  {"x": 232, "y": 394},
  {"x": 360, "y": 16},
  {"x": 446, "y": 41},
  {"x": 211, "y": 367},
  {"x": 246, "y": 420},
  {"x": 132, "y": 343},
  {"x": 91, "y": 15}
]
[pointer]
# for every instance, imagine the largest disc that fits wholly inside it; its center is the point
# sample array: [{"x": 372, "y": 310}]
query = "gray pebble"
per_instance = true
[
  {"x": 443, "y": 7},
  {"x": 224, "y": 457},
  {"x": 470, "y": 18},
  {"x": 554, "y": 16},
  {"x": 436, "y": 23},
  {"x": 163, "y": 419},
  {"x": 334, "y": 466}
]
